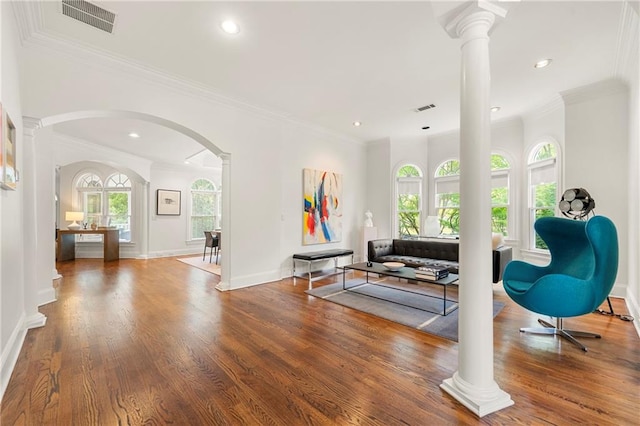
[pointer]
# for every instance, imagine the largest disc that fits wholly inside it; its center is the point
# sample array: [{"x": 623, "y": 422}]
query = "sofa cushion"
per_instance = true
[{"x": 429, "y": 249}]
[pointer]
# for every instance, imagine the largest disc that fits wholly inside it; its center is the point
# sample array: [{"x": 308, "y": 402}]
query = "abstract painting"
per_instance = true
[
  {"x": 8, "y": 165},
  {"x": 322, "y": 217}
]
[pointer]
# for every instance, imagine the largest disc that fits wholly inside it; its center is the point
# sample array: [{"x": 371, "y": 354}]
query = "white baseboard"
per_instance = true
[
  {"x": 251, "y": 280},
  {"x": 171, "y": 253},
  {"x": 46, "y": 296},
  {"x": 12, "y": 350},
  {"x": 10, "y": 354},
  {"x": 634, "y": 309}
]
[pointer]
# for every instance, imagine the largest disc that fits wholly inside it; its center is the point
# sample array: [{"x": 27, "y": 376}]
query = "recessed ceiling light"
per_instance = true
[
  {"x": 230, "y": 27},
  {"x": 495, "y": 109},
  {"x": 357, "y": 123},
  {"x": 134, "y": 135},
  {"x": 543, "y": 63}
]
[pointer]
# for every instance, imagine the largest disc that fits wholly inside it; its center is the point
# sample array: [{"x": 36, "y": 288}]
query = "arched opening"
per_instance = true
[{"x": 49, "y": 122}]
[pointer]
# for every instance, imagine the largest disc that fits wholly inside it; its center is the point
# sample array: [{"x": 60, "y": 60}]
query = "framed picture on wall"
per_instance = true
[
  {"x": 8, "y": 170},
  {"x": 322, "y": 207},
  {"x": 168, "y": 202}
]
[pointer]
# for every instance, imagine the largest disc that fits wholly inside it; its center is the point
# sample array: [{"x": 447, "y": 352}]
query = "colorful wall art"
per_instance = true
[
  {"x": 322, "y": 218},
  {"x": 8, "y": 166}
]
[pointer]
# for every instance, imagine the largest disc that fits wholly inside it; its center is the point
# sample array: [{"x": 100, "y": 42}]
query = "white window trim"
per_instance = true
[
  {"x": 79, "y": 200},
  {"x": 394, "y": 204},
  {"x": 558, "y": 179},
  {"x": 217, "y": 207}
]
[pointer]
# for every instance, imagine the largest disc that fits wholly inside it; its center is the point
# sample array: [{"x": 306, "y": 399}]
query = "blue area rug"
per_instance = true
[{"x": 395, "y": 304}]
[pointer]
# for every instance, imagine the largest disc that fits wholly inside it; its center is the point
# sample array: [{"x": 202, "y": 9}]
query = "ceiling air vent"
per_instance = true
[
  {"x": 89, "y": 13},
  {"x": 424, "y": 108}
]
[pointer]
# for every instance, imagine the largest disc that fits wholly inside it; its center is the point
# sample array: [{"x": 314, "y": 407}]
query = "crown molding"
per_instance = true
[
  {"x": 28, "y": 17},
  {"x": 30, "y": 22},
  {"x": 593, "y": 91},
  {"x": 627, "y": 42},
  {"x": 31, "y": 124}
]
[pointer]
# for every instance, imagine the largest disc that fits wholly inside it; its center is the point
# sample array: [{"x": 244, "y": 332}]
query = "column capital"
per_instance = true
[{"x": 457, "y": 17}]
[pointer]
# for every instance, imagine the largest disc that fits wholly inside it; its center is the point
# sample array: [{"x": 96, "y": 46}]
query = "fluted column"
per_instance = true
[{"x": 473, "y": 384}]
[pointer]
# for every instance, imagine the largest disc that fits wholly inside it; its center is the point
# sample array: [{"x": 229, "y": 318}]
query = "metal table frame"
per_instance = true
[{"x": 405, "y": 273}]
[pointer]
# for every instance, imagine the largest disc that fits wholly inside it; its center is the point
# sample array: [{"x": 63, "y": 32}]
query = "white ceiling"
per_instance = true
[{"x": 332, "y": 63}]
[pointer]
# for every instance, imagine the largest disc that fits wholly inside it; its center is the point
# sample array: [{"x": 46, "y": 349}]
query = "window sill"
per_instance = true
[{"x": 536, "y": 255}]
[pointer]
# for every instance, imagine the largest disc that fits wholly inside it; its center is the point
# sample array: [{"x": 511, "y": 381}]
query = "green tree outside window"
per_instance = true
[
  {"x": 409, "y": 202},
  {"x": 203, "y": 200}
]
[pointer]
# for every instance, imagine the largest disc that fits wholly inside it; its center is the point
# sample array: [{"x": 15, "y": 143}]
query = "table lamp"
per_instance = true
[{"x": 74, "y": 217}]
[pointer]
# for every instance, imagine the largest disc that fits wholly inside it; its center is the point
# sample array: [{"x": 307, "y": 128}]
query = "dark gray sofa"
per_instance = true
[{"x": 431, "y": 252}]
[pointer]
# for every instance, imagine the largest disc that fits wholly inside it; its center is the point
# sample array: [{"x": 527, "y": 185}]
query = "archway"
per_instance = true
[{"x": 31, "y": 125}]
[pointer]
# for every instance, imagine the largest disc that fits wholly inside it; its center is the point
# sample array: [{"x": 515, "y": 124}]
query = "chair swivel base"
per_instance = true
[{"x": 570, "y": 335}]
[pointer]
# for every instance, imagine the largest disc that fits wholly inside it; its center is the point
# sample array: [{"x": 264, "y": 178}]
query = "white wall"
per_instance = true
[
  {"x": 596, "y": 155},
  {"x": 379, "y": 189},
  {"x": 317, "y": 151},
  {"x": 629, "y": 72},
  {"x": 12, "y": 284}
]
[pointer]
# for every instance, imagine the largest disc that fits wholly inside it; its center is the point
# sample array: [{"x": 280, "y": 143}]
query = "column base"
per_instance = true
[{"x": 481, "y": 401}]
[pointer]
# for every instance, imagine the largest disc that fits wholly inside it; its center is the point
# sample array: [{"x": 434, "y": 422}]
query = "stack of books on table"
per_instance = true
[{"x": 432, "y": 272}]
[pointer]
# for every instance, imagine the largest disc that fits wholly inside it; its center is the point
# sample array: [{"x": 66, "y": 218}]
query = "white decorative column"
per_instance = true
[
  {"x": 225, "y": 240},
  {"x": 144, "y": 220},
  {"x": 32, "y": 271},
  {"x": 473, "y": 384}
]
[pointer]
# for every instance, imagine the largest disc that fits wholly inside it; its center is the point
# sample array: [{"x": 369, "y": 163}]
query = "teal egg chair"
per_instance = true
[{"x": 582, "y": 271}]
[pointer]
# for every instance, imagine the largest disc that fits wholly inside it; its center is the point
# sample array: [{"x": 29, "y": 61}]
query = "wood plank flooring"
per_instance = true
[{"x": 152, "y": 342}]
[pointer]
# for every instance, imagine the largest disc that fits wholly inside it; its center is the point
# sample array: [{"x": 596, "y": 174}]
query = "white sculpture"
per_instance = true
[{"x": 368, "y": 222}]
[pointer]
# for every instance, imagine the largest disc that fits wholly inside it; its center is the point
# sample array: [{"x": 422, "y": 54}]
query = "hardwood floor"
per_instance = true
[{"x": 152, "y": 342}]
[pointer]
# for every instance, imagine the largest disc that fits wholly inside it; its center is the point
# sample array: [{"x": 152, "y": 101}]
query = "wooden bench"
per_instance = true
[{"x": 317, "y": 256}]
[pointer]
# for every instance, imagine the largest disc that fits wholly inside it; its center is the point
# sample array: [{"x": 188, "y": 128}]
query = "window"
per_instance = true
[
  {"x": 447, "y": 185},
  {"x": 108, "y": 204},
  {"x": 409, "y": 200},
  {"x": 500, "y": 169},
  {"x": 542, "y": 171},
  {"x": 205, "y": 214},
  {"x": 89, "y": 188},
  {"x": 447, "y": 197}
]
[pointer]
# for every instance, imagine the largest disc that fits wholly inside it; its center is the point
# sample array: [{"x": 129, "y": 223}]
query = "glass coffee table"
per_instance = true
[{"x": 404, "y": 273}]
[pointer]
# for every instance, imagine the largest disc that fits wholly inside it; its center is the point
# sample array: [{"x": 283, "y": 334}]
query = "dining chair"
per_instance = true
[{"x": 210, "y": 242}]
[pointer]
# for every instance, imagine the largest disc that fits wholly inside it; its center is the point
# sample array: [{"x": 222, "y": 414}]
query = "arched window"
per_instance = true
[
  {"x": 205, "y": 208},
  {"x": 106, "y": 204},
  {"x": 408, "y": 201},
  {"x": 500, "y": 194},
  {"x": 447, "y": 188},
  {"x": 447, "y": 197},
  {"x": 89, "y": 189},
  {"x": 543, "y": 187}
]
